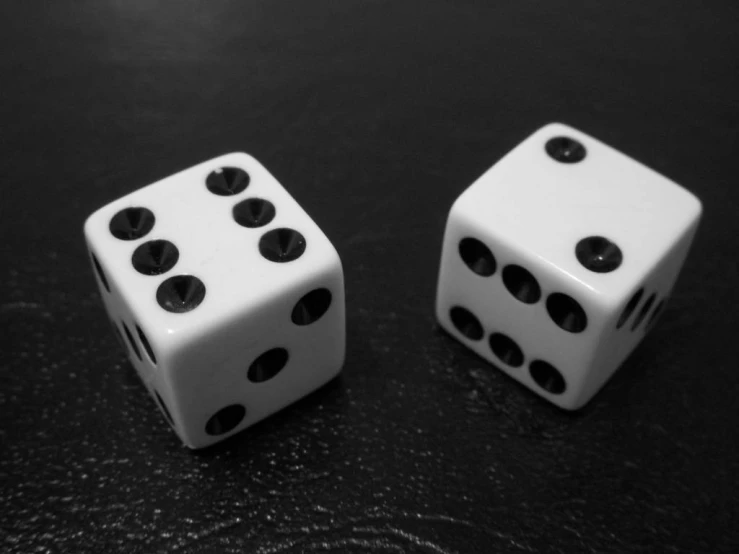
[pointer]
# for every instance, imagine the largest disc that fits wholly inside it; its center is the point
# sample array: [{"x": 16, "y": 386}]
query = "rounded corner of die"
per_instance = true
[
  {"x": 241, "y": 155},
  {"x": 464, "y": 199},
  {"x": 87, "y": 227},
  {"x": 574, "y": 405},
  {"x": 555, "y": 126},
  {"x": 192, "y": 444},
  {"x": 329, "y": 262},
  {"x": 456, "y": 207},
  {"x": 334, "y": 255},
  {"x": 697, "y": 206},
  {"x": 554, "y": 123},
  {"x": 91, "y": 226},
  {"x": 608, "y": 300}
]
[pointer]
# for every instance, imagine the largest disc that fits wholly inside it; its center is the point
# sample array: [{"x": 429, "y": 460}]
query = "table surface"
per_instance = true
[{"x": 375, "y": 116}]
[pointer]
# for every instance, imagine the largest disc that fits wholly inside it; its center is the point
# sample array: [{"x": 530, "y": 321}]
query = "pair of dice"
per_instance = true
[{"x": 231, "y": 299}]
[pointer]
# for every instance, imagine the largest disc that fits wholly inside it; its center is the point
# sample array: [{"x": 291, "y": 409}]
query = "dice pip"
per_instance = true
[
  {"x": 229, "y": 298},
  {"x": 559, "y": 258}
]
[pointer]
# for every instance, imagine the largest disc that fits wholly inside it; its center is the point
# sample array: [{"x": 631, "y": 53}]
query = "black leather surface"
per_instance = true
[{"x": 375, "y": 116}]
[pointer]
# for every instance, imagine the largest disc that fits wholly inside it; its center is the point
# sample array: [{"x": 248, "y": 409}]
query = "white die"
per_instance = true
[
  {"x": 230, "y": 297},
  {"x": 512, "y": 286}
]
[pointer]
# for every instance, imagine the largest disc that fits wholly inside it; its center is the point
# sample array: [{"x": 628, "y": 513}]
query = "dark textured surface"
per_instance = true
[{"x": 375, "y": 115}]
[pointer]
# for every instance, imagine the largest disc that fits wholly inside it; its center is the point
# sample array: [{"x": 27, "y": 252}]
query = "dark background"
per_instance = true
[{"x": 375, "y": 115}]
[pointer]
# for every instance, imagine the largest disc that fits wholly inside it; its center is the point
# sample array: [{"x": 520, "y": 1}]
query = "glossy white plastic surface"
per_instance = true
[
  {"x": 532, "y": 210},
  {"x": 203, "y": 355}
]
